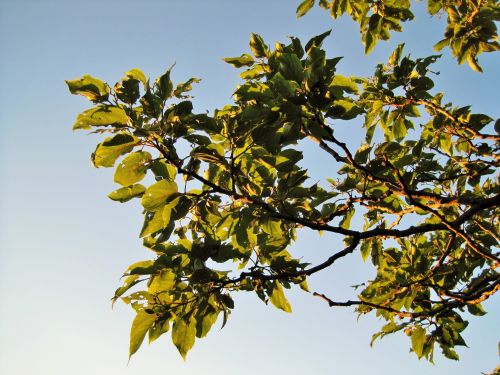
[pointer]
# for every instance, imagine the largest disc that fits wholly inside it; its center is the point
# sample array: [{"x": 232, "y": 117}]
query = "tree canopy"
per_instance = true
[
  {"x": 470, "y": 24},
  {"x": 225, "y": 194}
]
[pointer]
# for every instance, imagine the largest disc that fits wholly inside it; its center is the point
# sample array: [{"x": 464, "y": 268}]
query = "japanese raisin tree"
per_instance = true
[{"x": 418, "y": 199}]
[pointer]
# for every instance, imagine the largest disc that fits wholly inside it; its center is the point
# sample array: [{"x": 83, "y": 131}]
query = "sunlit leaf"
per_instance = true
[
  {"x": 140, "y": 326},
  {"x": 304, "y": 7},
  {"x": 258, "y": 46},
  {"x": 101, "y": 116},
  {"x": 157, "y": 194},
  {"x": 183, "y": 335},
  {"x": 278, "y": 299},
  {"x": 112, "y": 148},
  {"x": 133, "y": 168},
  {"x": 92, "y": 88},
  {"x": 238, "y": 62},
  {"x": 418, "y": 337},
  {"x": 125, "y": 194}
]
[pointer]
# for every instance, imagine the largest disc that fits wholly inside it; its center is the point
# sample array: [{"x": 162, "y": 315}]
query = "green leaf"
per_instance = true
[
  {"x": 129, "y": 282},
  {"x": 346, "y": 221},
  {"x": 183, "y": 335},
  {"x": 370, "y": 41},
  {"x": 151, "y": 104},
  {"x": 257, "y": 45},
  {"x": 291, "y": 67},
  {"x": 255, "y": 72},
  {"x": 165, "y": 85},
  {"x": 399, "y": 129},
  {"x": 244, "y": 60},
  {"x": 112, "y": 148},
  {"x": 391, "y": 327},
  {"x": 341, "y": 84},
  {"x": 344, "y": 109},
  {"x": 304, "y": 7},
  {"x": 418, "y": 340},
  {"x": 140, "y": 264},
  {"x": 227, "y": 300},
  {"x": 164, "y": 170},
  {"x": 315, "y": 64},
  {"x": 185, "y": 87},
  {"x": 476, "y": 310},
  {"x": 157, "y": 330},
  {"x": 140, "y": 326},
  {"x": 128, "y": 90},
  {"x": 441, "y": 44},
  {"x": 162, "y": 282},
  {"x": 152, "y": 223},
  {"x": 366, "y": 248},
  {"x": 287, "y": 158},
  {"x": 92, "y": 88},
  {"x": 156, "y": 195},
  {"x": 138, "y": 75},
  {"x": 143, "y": 267},
  {"x": 472, "y": 61},
  {"x": 125, "y": 194},
  {"x": 317, "y": 40},
  {"x": 396, "y": 55},
  {"x": 133, "y": 168},
  {"x": 450, "y": 353},
  {"x": 304, "y": 286},
  {"x": 278, "y": 298},
  {"x": 205, "y": 323},
  {"x": 433, "y": 6},
  {"x": 283, "y": 86},
  {"x": 273, "y": 228},
  {"x": 446, "y": 142},
  {"x": 101, "y": 116}
]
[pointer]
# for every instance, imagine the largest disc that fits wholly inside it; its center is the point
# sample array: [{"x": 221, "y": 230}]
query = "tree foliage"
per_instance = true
[
  {"x": 470, "y": 29},
  {"x": 225, "y": 194}
]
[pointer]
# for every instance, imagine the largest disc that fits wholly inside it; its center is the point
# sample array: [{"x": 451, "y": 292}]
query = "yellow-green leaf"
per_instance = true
[
  {"x": 346, "y": 220},
  {"x": 342, "y": 84},
  {"x": 183, "y": 335},
  {"x": 140, "y": 264},
  {"x": 158, "y": 329},
  {"x": 238, "y": 62},
  {"x": 304, "y": 7},
  {"x": 206, "y": 323},
  {"x": 133, "y": 168},
  {"x": 140, "y": 326},
  {"x": 152, "y": 224},
  {"x": 138, "y": 75},
  {"x": 102, "y": 115},
  {"x": 129, "y": 282},
  {"x": 156, "y": 195},
  {"x": 304, "y": 286},
  {"x": 162, "y": 282},
  {"x": 278, "y": 298},
  {"x": 92, "y": 88},
  {"x": 165, "y": 85},
  {"x": 472, "y": 61},
  {"x": 258, "y": 46},
  {"x": 418, "y": 341},
  {"x": 125, "y": 194},
  {"x": 255, "y": 72},
  {"x": 112, "y": 148}
]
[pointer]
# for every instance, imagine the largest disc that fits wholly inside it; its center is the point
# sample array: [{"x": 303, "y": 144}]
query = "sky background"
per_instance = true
[{"x": 64, "y": 244}]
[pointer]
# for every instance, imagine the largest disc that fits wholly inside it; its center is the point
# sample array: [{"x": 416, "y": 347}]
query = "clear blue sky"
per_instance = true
[{"x": 64, "y": 244}]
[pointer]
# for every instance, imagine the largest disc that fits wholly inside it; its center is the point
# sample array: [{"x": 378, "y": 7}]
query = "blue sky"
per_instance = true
[{"x": 64, "y": 244}]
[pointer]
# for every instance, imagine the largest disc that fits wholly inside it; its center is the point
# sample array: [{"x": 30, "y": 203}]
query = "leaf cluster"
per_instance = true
[
  {"x": 470, "y": 28},
  {"x": 225, "y": 194}
]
